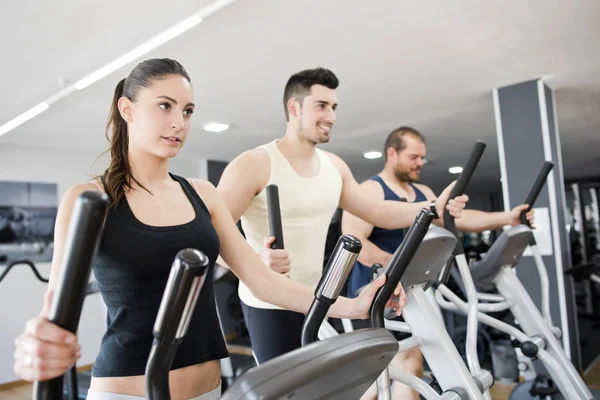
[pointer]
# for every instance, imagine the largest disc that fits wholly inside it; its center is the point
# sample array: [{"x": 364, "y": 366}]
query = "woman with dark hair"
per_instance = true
[{"x": 154, "y": 214}]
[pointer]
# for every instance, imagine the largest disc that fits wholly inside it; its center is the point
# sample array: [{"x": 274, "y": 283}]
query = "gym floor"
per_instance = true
[{"x": 499, "y": 391}]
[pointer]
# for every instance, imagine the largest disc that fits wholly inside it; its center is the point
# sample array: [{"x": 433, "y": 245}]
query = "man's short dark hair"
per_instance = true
[
  {"x": 299, "y": 84},
  {"x": 396, "y": 138}
]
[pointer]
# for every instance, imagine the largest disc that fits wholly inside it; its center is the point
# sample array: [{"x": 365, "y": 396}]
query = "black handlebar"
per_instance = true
[
  {"x": 327, "y": 291},
  {"x": 83, "y": 239},
  {"x": 398, "y": 264},
  {"x": 185, "y": 282},
  {"x": 376, "y": 268},
  {"x": 460, "y": 187},
  {"x": 535, "y": 190},
  {"x": 462, "y": 182},
  {"x": 274, "y": 211}
]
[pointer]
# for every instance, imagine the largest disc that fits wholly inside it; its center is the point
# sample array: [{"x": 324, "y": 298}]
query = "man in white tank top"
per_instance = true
[{"x": 312, "y": 183}]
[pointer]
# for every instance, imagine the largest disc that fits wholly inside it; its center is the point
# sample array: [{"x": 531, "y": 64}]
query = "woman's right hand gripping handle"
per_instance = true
[{"x": 44, "y": 350}]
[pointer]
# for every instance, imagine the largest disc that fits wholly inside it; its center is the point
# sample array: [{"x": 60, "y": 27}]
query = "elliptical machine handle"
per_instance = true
[
  {"x": 459, "y": 189},
  {"x": 376, "y": 269},
  {"x": 398, "y": 264},
  {"x": 83, "y": 239},
  {"x": 335, "y": 275},
  {"x": 535, "y": 190},
  {"x": 274, "y": 212},
  {"x": 461, "y": 185},
  {"x": 183, "y": 288}
]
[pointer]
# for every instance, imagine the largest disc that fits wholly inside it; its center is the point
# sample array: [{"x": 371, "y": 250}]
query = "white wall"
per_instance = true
[
  {"x": 189, "y": 168},
  {"x": 21, "y": 295}
]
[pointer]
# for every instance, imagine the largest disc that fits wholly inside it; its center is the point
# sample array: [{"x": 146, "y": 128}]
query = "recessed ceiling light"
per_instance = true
[
  {"x": 216, "y": 127},
  {"x": 371, "y": 155},
  {"x": 455, "y": 170}
]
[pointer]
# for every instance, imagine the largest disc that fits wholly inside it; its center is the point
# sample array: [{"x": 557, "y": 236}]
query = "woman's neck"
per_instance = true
[{"x": 149, "y": 170}]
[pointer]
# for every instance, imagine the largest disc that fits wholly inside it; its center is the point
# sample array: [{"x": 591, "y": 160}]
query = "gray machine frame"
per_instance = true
[
  {"x": 428, "y": 330},
  {"x": 497, "y": 268},
  {"x": 316, "y": 370}
]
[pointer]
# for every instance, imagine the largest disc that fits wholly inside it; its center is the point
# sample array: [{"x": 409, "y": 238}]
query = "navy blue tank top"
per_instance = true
[
  {"x": 132, "y": 267},
  {"x": 386, "y": 239}
]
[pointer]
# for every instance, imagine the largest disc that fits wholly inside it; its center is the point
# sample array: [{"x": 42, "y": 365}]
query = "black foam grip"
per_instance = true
[
  {"x": 536, "y": 189},
  {"x": 314, "y": 318},
  {"x": 188, "y": 265},
  {"x": 157, "y": 371},
  {"x": 398, "y": 264},
  {"x": 274, "y": 211},
  {"x": 375, "y": 268},
  {"x": 73, "y": 392},
  {"x": 81, "y": 245},
  {"x": 460, "y": 187}
]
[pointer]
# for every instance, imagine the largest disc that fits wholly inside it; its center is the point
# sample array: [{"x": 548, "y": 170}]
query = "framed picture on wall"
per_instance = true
[{"x": 27, "y": 217}]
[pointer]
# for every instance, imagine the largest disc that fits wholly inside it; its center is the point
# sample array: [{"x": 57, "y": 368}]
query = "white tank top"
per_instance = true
[{"x": 307, "y": 206}]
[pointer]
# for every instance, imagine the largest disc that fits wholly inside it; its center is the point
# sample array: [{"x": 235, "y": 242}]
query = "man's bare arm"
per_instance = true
[
  {"x": 370, "y": 253},
  {"x": 242, "y": 179},
  {"x": 387, "y": 214}
]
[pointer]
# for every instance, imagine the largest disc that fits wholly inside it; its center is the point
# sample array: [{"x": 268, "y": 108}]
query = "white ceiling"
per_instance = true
[{"x": 429, "y": 64}]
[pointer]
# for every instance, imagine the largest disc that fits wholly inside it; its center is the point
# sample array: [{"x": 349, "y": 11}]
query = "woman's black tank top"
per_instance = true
[{"x": 132, "y": 267}]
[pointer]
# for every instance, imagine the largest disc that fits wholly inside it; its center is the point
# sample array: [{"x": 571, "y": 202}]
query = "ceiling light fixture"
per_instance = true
[
  {"x": 121, "y": 61},
  {"x": 26, "y": 116},
  {"x": 139, "y": 51},
  {"x": 455, "y": 170},
  {"x": 216, "y": 127},
  {"x": 372, "y": 155}
]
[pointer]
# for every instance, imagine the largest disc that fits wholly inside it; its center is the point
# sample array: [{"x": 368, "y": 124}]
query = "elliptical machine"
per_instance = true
[
  {"x": 338, "y": 369},
  {"x": 537, "y": 338},
  {"x": 418, "y": 271}
]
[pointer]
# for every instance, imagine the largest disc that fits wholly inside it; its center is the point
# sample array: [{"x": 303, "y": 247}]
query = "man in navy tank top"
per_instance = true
[{"x": 405, "y": 154}]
